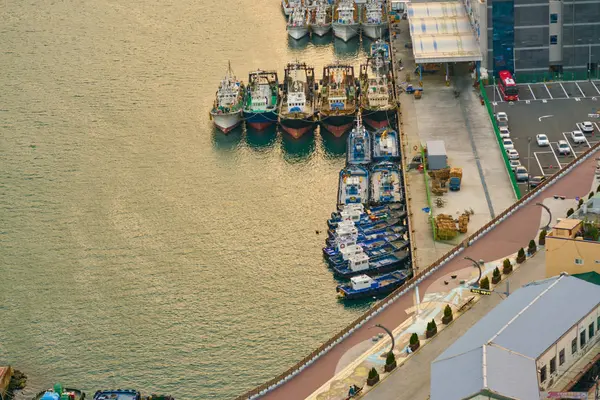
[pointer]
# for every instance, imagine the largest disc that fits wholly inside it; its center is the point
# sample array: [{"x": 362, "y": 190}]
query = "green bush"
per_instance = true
[
  {"x": 591, "y": 195},
  {"x": 496, "y": 272},
  {"x": 598, "y": 189},
  {"x": 506, "y": 263},
  {"x": 373, "y": 373},
  {"x": 485, "y": 283},
  {"x": 570, "y": 212},
  {"x": 532, "y": 248},
  {"x": 542, "y": 237},
  {"x": 433, "y": 324},
  {"x": 521, "y": 255},
  {"x": 414, "y": 339},
  {"x": 447, "y": 311},
  {"x": 580, "y": 203},
  {"x": 390, "y": 358}
]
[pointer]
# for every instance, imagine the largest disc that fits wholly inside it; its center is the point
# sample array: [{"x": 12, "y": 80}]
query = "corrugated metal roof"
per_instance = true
[
  {"x": 457, "y": 377},
  {"x": 435, "y": 147},
  {"x": 511, "y": 374}
]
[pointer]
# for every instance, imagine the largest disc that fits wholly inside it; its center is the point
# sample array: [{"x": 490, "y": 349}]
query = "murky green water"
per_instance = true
[{"x": 138, "y": 246}]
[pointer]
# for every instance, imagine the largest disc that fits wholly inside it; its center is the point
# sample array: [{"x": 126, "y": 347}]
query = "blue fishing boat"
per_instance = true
[
  {"x": 387, "y": 232},
  {"x": 353, "y": 185},
  {"x": 395, "y": 238},
  {"x": 363, "y": 286},
  {"x": 359, "y": 215},
  {"x": 360, "y": 263},
  {"x": 374, "y": 226},
  {"x": 374, "y": 251},
  {"x": 385, "y": 145},
  {"x": 386, "y": 184},
  {"x": 359, "y": 145},
  {"x": 117, "y": 394},
  {"x": 261, "y": 99}
]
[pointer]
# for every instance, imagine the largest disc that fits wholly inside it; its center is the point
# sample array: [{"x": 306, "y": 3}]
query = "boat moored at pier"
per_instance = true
[
  {"x": 386, "y": 145},
  {"x": 361, "y": 263},
  {"x": 363, "y": 286},
  {"x": 117, "y": 394},
  {"x": 377, "y": 102},
  {"x": 385, "y": 184},
  {"x": 353, "y": 185},
  {"x": 60, "y": 393},
  {"x": 319, "y": 18},
  {"x": 289, "y": 5},
  {"x": 261, "y": 99},
  {"x": 227, "y": 109},
  {"x": 339, "y": 98},
  {"x": 297, "y": 24},
  {"x": 359, "y": 145},
  {"x": 345, "y": 19},
  {"x": 374, "y": 22},
  {"x": 297, "y": 108}
]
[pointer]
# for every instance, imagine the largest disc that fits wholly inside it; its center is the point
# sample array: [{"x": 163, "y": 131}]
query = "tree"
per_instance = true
[
  {"x": 485, "y": 283},
  {"x": 447, "y": 315},
  {"x": 580, "y": 203},
  {"x": 414, "y": 338},
  {"x": 373, "y": 377},
  {"x": 542, "y": 237},
  {"x": 521, "y": 255},
  {"x": 496, "y": 276},
  {"x": 506, "y": 266},
  {"x": 373, "y": 373},
  {"x": 591, "y": 195},
  {"x": 532, "y": 248},
  {"x": 431, "y": 329},
  {"x": 391, "y": 358},
  {"x": 570, "y": 212}
]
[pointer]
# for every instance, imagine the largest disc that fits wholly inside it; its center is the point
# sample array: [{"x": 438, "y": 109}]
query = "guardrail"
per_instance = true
[{"x": 509, "y": 170}]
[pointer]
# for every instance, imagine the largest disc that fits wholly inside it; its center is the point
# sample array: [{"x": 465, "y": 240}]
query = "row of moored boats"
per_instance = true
[
  {"x": 345, "y": 17},
  {"x": 58, "y": 392},
  {"x": 300, "y": 102},
  {"x": 367, "y": 240}
]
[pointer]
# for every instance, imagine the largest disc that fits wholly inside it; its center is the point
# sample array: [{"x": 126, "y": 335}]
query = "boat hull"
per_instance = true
[
  {"x": 320, "y": 30},
  {"x": 379, "y": 118},
  {"x": 297, "y": 32},
  {"x": 338, "y": 125},
  {"x": 345, "y": 31},
  {"x": 373, "y": 292},
  {"x": 296, "y": 127},
  {"x": 260, "y": 120},
  {"x": 374, "y": 31},
  {"x": 227, "y": 122}
]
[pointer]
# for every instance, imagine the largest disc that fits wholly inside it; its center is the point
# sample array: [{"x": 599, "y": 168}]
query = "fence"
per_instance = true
[
  {"x": 409, "y": 286},
  {"x": 511, "y": 173}
]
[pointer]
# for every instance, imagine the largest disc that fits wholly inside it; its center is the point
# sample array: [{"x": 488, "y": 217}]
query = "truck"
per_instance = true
[{"x": 455, "y": 179}]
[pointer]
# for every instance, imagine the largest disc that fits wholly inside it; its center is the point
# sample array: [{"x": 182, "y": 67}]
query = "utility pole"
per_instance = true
[
  {"x": 528, "y": 160},
  {"x": 589, "y": 61}
]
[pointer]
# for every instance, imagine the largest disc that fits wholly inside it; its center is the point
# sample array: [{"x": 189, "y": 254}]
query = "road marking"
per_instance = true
[
  {"x": 544, "y": 116},
  {"x": 569, "y": 143},
  {"x": 539, "y": 163},
  {"x": 499, "y": 94},
  {"x": 597, "y": 127},
  {"x": 553, "y": 152},
  {"x": 529, "y": 86},
  {"x": 544, "y": 101},
  {"x": 494, "y": 103},
  {"x": 582, "y": 94},
  {"x": 595, "y": 87},
  {"x": 588, "y": 143},
  {"x": 563, "y": 88},
  {"x": 577, "y": 99},
  {"x": 548, "y": 90},
  {"x": 527, "y": 101}
]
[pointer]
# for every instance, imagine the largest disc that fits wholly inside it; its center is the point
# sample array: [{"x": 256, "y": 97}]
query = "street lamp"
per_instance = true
[
  {"x": 528, "y": 162},
  {"x": 547, "y": 227},
  {"x": 388, "y": 332},
  {"x": 476, "y": 264}
]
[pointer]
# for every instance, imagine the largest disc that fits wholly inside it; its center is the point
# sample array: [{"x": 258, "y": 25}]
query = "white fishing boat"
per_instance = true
[
  {"x": 345, "y": 19},
  {"x": 319, "y": 18},
  {"x": 227, "y": 108},
  {"x": 374, "y": 22},
  {"x": 297, "y": 25},
  {"x": 288, "y": 5}
]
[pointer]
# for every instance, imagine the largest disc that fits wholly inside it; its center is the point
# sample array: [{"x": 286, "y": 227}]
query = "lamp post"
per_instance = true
[
  {"x": 476, "y": 264},
  {"x": 547, "y": 227},
  {"x": 528, "y": 161},
  {"x": 388, "y": 332}
]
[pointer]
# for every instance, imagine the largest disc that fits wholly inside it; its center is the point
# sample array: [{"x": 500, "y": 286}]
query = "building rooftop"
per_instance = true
[
  {"x": 567, "y": 223},
  {"x": 498, "y": 353}
]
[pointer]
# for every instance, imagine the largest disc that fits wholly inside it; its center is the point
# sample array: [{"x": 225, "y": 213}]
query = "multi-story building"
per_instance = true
[{"x": 524, "y": 346}]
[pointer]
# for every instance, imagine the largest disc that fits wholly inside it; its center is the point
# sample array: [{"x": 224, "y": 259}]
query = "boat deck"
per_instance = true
[
  {"x": 386, "y": 192},
  {"x": 386, "y": 147},
  {"x": 353, "y": 189}
]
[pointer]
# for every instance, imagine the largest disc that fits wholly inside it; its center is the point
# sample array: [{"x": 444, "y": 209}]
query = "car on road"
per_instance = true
[
  {"x": 512, "y": 154},
  {"x": 514, "y": 164},
  {"x": 534, "y": 181},
  {"x": 508, "y": 144},
  {"x": 542, "y": 140},
  {"x": 521, "y": 174},
  {"x": 563, "y": 148},
  {"x": 578, "y": 137},
  {"x": 587, "y": 127},
  {"x": 504, "y": 132}
]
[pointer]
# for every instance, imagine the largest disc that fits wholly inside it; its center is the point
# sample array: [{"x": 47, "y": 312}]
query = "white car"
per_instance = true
[
  {"x": 586, "y": 127},
  {"x": 508, "y": 144},
  {"x": 563, "y": 148},
  {"x": 514, "y": 164},
  {"x": 501, "y": 117},
  {"x": 542, "y": 140},
  {"x": 578, "y": 137},
  {"x": 512, "y": 154},
  {"x": 521, "y": 174},
  {"x": 504, "y": 132}
]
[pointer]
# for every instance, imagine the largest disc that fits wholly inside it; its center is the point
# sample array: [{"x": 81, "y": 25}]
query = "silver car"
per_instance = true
[
  {"x": 521, "y": 174},
  {"x": 542, "y": 140}
]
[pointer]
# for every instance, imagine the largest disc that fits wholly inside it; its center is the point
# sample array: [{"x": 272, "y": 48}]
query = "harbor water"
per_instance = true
[{"x": 139, "y": 246}]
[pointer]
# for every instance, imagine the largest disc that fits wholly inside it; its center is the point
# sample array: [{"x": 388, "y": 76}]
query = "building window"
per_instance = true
[
  {"x": 554, "y": 39},
  {"x": 543, "y": 374},
  {"x": 582, "y": 339},
  {"x": 553, "y": 365},
  {"x": 561, "y": 357},
  {"x": 591, "y": 330},
  {"x": 574, "y": 346},
  {"x": 579, "y": 261},
  {"x": 553, "y": 18}
]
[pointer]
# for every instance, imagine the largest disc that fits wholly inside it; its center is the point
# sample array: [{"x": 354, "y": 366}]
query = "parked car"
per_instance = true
[
  {"x": 508, "y": 144},
  {"x": 586, "y": 127},
  {"x": 563, "y": 148},
  {"x": 578, "y": 137},
  {"x": 512, "y": 154},
  {"x": 504, "y": 132},
  {"x": 521, "y": 174},
  {"x": 542, "y": 140},
  {"x": 534, "y": 181},
  {"x": 501, "y": 116},
  {"x": 514, "y": 164}
]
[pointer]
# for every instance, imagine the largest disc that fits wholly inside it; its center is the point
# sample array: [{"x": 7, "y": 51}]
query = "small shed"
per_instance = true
[{"x": 436, "y": 155}]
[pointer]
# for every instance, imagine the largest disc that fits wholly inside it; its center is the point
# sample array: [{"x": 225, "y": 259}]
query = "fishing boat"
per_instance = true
[
  {"x": 377, "y": 103},
  {"x": 117, "y": 394},
  {"x": 393, "y": 232},
  {"x": 261, "y": 99},
  {"x": 319, "y": 18},
  {"x": 297, "y": 24},
  {"x": 353, "y": 185},
  {"x": 360, "y": 263},
  {"x": 345, "y": 19},
  {"x": 359, "y": 145},
  {"x": 373, "y": 250},
  {"x": 374, "y": 23},
  {"x": 60, "y": 393},
  {"x": 397, "y": 241},
  {"x": 339, "y": 98},
  {"x": 289, "y": 5},
  {"x": 297, "y": 107},
  {"x": 385, "y": 145},
  {"x": 363, "y": 286},
  {"x": 227, "y": 108},
  {"x": 381, "y": 47},
  {"x": 385, "y": 183}
]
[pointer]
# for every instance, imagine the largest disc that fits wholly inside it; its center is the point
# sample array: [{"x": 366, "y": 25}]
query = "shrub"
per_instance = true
[
  {"x": 485, "y": 283},
  {"x": 542, "y": 237},
  {"x": 521, "y": 255},
  {"x": 391, "y": 358},
  {"x": 373, "y": 373},
  {"x": 496, "y": 272},
  {"x": 447, "y": 311},
  {"x": 598, "y": 189},
  {"x": 433, "y": 324},
  {"x": 532, "y": 248},
  {"x": 414, "y": 339},
  {"x": 580, "y": 203},
  {"x": 591, "y": 195},
  {"x": 506, "y": 266},
  {"x": 570, "y": 212}
]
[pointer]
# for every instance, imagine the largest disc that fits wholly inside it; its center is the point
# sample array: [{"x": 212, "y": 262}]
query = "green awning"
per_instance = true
[{"x": 591, "y": 277}]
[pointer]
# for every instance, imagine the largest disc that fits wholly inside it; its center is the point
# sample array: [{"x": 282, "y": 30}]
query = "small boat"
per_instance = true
[
  {"x": 227, "y": 109},
  {"x": 386, "y": 183},
  {"x": 373, "y": 250},
  {"x": 398, "y": 240},
  {"x": 381, "y": 47},
  {"x": 60, "y": 393},
  {"x": 261, "y": 99},
  {"x": 339, "y": 98},
  {"x": 117, "y": 394},
  {"x": 345, "y": 19},
  {"x": 363, "y": 286},
  {"x": 388, "y": 233},
  {"x": 353, "y": 185},
  {"x": 385, "y": 145},
  {"x": 297, "y": 25},
  {"x": 374, "y": 21},
  {"x": 158, "y": 397},
  {"x": 359, "y": 145},
  {"x": 289, "y": 5},
  {"x": 319, "y": 18},
  {"x": 377, "y": 102},
  {"x": 297, "y": 107},
  {"x": 360, "y": 263}
]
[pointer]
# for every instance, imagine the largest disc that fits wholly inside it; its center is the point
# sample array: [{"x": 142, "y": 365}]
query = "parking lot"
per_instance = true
[
  {"x": 556, "y": 118},
  {"x": 544, "y": 92}
]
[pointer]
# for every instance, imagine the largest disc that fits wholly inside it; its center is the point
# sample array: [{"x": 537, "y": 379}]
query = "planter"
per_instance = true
[
  {"x": 496, "y": 279},
  {"x": 390, "y": 367},
  {"x": 507, "y": 271},
  {"x": 414, "y": 347},
  {"x": 542, "y": 241},
  {"x": 430, "y": 334},
  {"x": 521, "y": 259},
  {"x": 446, "y": 319},
  {"x": 372, "y": 381}
]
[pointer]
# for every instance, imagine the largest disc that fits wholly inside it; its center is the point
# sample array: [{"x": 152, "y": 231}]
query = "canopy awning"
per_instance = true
[{"x": 442, "y": 32}]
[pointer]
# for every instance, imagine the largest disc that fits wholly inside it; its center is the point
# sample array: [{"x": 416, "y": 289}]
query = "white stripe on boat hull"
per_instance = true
[
  {"x": 227, "y": 122},
  {"x": 374, "y": 31},
  {"x": 321, "y": 30},
  {"x": 345, "y": 32},
  {"x": 297, "y": 32}
]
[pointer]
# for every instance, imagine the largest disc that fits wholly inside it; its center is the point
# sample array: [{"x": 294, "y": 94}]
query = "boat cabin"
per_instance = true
[
  {"x": 350, "y": 250},
  {"x": 353, "y": 186},
  {"x": 351, "y": 215},
  {"x": 261, "y": 98},
  {"x": 374, "y": 12},
  {"x": 386, "y": 145},
  {"x": 296, "y": 101},
  {"x": 358, "y": 262},
  {"x": 345, "y": 13},
  {"x": 362, "y": 282}
]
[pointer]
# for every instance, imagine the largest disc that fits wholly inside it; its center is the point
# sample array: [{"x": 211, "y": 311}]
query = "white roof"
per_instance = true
[{"x": 442, "y": 32}]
